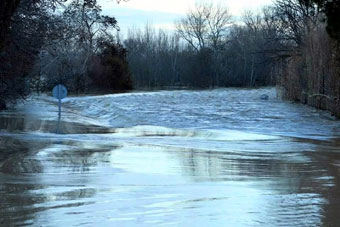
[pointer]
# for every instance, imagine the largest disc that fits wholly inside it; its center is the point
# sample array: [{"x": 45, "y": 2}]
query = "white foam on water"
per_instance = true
[{"x": 218, "y": 135}]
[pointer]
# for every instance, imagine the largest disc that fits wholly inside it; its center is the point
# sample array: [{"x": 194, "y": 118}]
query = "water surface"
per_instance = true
[{"x": 169, "y": 158}]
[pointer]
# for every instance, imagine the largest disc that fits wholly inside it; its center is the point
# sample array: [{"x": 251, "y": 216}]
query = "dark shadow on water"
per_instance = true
[
  {"x": 14, "y": 155},
  {"x": 308, "y": 189},
  {"x": 24, "y": 193},
  {"x": 328, "y": 155},
  {"x": 15, "y": 162},
  {"x": 82, "y": 159},
  {"x": 20, "y": 205},
  {"x": 22, "y": 123}
]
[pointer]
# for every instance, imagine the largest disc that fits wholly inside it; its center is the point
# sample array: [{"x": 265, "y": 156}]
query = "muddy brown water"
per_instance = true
[{"x": 184, "y": 158}]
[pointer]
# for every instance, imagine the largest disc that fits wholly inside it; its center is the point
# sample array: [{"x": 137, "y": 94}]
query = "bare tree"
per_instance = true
[
  {"x": 75, "y": 36},
  {"x": 205, "y": 25},
  {"x": 295, "y": 17},
  {"x": 193, "y": 28}
]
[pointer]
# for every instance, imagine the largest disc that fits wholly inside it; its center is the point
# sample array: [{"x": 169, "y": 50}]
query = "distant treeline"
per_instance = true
[{"x": 208, "y": 49}]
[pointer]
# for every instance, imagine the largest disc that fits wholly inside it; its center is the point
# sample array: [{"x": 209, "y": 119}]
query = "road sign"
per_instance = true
[{"x": 59, "y": 92}]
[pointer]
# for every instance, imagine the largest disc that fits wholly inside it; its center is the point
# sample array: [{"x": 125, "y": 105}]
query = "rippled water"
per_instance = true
[{"x": 180, "y": 158}]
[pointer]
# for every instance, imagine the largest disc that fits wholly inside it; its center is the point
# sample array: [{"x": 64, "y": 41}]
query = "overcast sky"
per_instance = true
[{"x": 162, "y": 13}]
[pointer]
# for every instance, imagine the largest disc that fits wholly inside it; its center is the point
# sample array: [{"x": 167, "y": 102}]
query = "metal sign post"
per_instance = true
[
  {"x": 59, "y": 92},
  {"x": 59, "y": 108}
]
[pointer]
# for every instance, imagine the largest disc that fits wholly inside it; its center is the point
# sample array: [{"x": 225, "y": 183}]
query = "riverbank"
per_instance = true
[{"x": 319, "y": 101}]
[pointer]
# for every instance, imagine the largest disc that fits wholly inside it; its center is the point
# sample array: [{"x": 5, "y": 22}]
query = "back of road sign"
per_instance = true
[{"x": 59, "y": 91}]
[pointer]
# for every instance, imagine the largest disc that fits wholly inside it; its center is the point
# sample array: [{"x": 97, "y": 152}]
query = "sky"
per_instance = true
[{"x": 163, "y": 13}]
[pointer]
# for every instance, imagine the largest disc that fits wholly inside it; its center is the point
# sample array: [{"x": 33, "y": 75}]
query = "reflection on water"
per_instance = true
[
  {"x": 27, "y": 124},
  {"x": 163, "y": 176}
]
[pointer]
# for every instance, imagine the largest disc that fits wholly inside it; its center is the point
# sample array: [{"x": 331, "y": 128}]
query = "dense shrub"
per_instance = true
[{"x": 110, "y": 71}]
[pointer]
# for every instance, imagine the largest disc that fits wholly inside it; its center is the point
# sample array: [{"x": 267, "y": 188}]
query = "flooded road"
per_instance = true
[{"x": 181, "y": 158}]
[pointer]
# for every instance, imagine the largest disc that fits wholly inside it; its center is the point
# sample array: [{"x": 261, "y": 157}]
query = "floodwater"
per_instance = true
[{"x": 169, "y": 158}]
